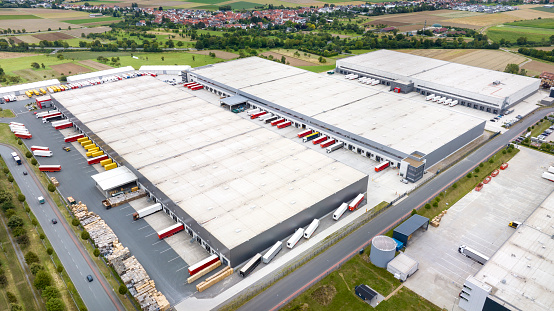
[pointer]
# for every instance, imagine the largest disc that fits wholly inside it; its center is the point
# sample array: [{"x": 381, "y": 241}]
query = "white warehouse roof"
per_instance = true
[
  {"x": 114, "y": 178},
  {"x": 12, "y": 89},
  {"x": 99, "y": 74},
  {"x": 232, "y": 176},
  {"x": 522, "y": 270},
  {"x": 165, "y": 69},
  {"x": 387, "y": 118}
]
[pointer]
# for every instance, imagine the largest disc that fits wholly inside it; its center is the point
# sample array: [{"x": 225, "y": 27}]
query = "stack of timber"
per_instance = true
[
  {"x": 437, "y": 219},
  {"x": 212, "y": 280},
  {"x": 124, "y": 198},
  {"x": 119, "y": 257},
  {"x": 54, "y": 181}
]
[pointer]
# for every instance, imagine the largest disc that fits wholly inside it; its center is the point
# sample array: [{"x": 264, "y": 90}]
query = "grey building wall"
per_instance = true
[
  {"x": 413, "y": 173},
  {"x": 248, "y": 249},
  {"x": 453, "y": 145}
]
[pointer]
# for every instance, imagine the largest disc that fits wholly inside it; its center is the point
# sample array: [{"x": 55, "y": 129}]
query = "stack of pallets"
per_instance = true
[
  {"x": 54, "y": 181},
  {"x": 437, "y": 219},
  {"x": 212, "y": 280}
]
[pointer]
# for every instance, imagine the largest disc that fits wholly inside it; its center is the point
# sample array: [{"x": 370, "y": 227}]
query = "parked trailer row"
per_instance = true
[
  {"x": 147, "y": 211},
  {"x": 356, "y": 202},
  {"x": 42, "y": 153},
  {"x": 169, "y": 231},
  {"x": 202, "y": 264},
  {"x": 50, "y": 168},
  {"x": 334, "y": 147},
  {"x": 369, "y": 81},
  {"x": 351, "y": 76},
  {"x": 9, "y": 98},
  {"x": 73, "y": 138},
  {"x": 251, "y": 265},
  {"x": 442, "y": 100}
]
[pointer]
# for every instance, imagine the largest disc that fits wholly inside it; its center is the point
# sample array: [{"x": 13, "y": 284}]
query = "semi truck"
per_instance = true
[
  {"x": 169, "y": 231},
  {"x": 338, "y": 213},
  {"x": 250, "y": 266},
  {"x": 23, "y": 135},
  {"x": 50, "y": 168},
  {"x": 62, "y": 124},
  {"x": 334, "y": 147},
  {"x": 319, "y": 140},
  {"x": 295, "y": 238},
  {"x": 277, "y": 121},
  {"x": 272, "y": 252},
  {"x": 42, "y": 153},
  {"x": 16, "y": 158},
  {"x": 311, "y": 229},
  {"x": 327, "y": 143},
  {"x": 266, "y": 121},
  {"x": 304, "y": 133},
  {"x": 473, "y": 254},
  {"x": 257, "y": 114},
  {"x": 282, "y": 125},
  {"x": 44, "y": 113},
  {"x": 52, "y": 118},
  {"x": 33, "y": 148},
  {"x": 312, "y": 136},
  {"x": 147, "y": 211},
  {"x": 356, "y": 202},
  {"x": 202, "y": 264},
  {"x": 97, "y": 159},
  {"x": 73, "y": 138},
  {"x": 382, "y": 166}
]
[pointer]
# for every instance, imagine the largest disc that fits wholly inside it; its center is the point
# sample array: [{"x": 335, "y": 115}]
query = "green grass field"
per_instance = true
[
  {"x": 242, "y": 5},
  {"x": 207, "y": 1},
  {"x": 546, "y": 23},
  {"x": 549, "y": 10},
  {"x": 4, "y": 17},
  {"x": 211, "y": 7},
  {"x": 92, "y": 20},
  {"x": 169, "y": 59},
  {"x": 512, "y": 33},
  {"x": 318, "y": 68}
]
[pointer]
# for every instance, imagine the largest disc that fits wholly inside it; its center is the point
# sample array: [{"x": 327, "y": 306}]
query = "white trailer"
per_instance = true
[
  {"x": 42, "y": 153},
  {"x": 453, "y": 103},
  {"x": 147, "y": 211},
  {"x": 311, "y": 229},
  {"x": 17, "y": 123},
  {"x": 60, "y": 122},
  {"x": 551, "y": 169},
  {"x": 442, "y": 100},
  {"x": 272, "y": 252},
  {"x": 18, "y": 129},
  {"x": 338, "y": 213},
  {"x": 334, "y": 147},
  {"x": 436, "y": 98},
  {"x": 430, "y": 97},
  {"x": 375, "y": 82},
  {"x": 548, "y": 176},
  {"x": 252, "y": 111},
  {"x": 295, "y": 238},
  {"x": 473, "y": 254},
  {"x": 448, "y": 101},
  {"x": 269, "y": 116}
]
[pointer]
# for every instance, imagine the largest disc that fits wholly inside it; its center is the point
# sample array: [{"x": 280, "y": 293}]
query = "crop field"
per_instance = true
[
  {"x": 32, "y": 25},
  {"x": 543, "y": 9},
  {"x": 95, "y": 65},
  {"x": 536, "y": 67},
  {"x": 92, "y": 20},
  {"x": 413, "y": 21},
  {"x": 512, "y": 33},
  {"x": 6, "y": 55},
  {"x": 220, "y": 54},
  {"x": 547, "y": 23},
  {"x": 86, "y": 31},
  {"x": 69, "y": 69},
  {"x": 525, "y": 12},
  {"x": 488, "y": 59},
  {"x": 7, "y": 17},
  {"x": 241, "y": 5},
  {"x": 53, "y": 36},
  {"x": 52, "y": 14}
]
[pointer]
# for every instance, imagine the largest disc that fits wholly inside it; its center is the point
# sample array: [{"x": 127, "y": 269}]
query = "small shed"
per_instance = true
[
  {"x": 114, "y": 180},
  {"x": 44, "y": 101},
  {"x": 365, "y": 293},
  {"x": 402, "y": 266},
  {"x": 403, "y": 233}
]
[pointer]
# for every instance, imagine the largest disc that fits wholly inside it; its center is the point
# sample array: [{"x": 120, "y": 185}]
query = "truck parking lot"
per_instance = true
[{"x": 480, "y": 221}]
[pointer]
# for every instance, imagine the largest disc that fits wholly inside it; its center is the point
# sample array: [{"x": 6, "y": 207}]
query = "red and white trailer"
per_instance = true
[
  {"x": 201, "y": 265},
  {"x": 97, "y": 159},
  {"x": 356, "y": 202},
  {"x": 327, "y": 143},
  {"x": 196, "y": 88},
  {"x": 382, "y": 166},
  {"x": 52, "y": 114},
  {"x": 50, "y": 168},
  {"x": 257, "y": 114},
  {"x": 193, "y": 84},
  {"x": 305, "y": 133},
  {"x": 284, "y": 124},
  {"x": 42, "y": 114},
  {"x": 23, "y": 135},
  {"x": 73, "y": 138},
  {"x": 18, "y": 128},
  {"x": 17, "y": 123},
  {"x": 188, "y": 83},
  {"x": 319, "y": 140},
  {"x": 169, "y": 231},
  {"x": 62, "y": 124},
  {"x": 33, "y": 148},
  {"x": 277, "y": 122}
]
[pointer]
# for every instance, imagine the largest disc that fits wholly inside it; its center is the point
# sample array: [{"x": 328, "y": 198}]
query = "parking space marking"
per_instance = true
[
  {"x": 129, "y": 214},
  {"x": 166, "y": 250},
  {"x": 182, "y": 268},
  {"x": 143, "y": 227},
  {"x": 151, "y": 234},
  {"x": 157, "y": 242},
  {"x": 174, "y": 259}
]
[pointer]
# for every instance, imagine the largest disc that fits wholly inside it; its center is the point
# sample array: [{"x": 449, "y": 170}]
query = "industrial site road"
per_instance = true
[
  {"x": 287, "y": 288},
  {"x": 98, "y": 294}
]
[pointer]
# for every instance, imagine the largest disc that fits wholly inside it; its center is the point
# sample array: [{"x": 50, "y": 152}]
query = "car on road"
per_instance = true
[
  {"x": 66, "y": 148},
  {"x": 89, "y": 278},
  {"x": 24, "y": 173},
  {"x": 41, "y": 200},
  {"x": 54, "y": 221}
]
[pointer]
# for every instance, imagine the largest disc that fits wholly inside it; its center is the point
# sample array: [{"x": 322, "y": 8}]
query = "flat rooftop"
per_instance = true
[
  {"x": 451, "y": 75},
  {"x": 522, "y": 270},
  {"x": 232, "y": 176},
  {"x": 389, "y": 119}
]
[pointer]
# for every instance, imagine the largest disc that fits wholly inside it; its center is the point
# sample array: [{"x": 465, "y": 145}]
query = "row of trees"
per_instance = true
[{"x": 540, "y": 54}]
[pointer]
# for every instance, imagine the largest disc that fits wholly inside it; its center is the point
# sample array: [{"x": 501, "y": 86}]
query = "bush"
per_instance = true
[
  {"x": 96, "y": 252},
  {"x": 34, "y": 161},
  {"x": 50, "y": 251},
  {"x": 123, "y": 288},
  {"x": 59, "y": 269},
  {"x": 509, "y": 150},
  {"x": 503, "y": 152},
  {"x": 85, "y": 235},
  {"x": 3, "y": 280},
  {"x": 414, "y": 212},
  {"x": 28, "y": 154},
  {"x": 476, "y": 170},
  {"x": 454, "y": 185},
  {"x": 55, "y": 304},
  {"x": 428, "y": 206},
  {"x": 19, "y": 142},
  {"x": 10, "y": 177},
  {"x": 50, "y": 292},
  {"x": 51, "y": 188},
  {"x": 23, "y": 240},
  {"x": 9, "y": 213},
  {"x": 8, "y": 206},
  {"x": 481, "y": 164},
  {"x": 19, "y": 231},
  {"x": 15, "y": 307},
  {"x": 34, "y": 222},
  {"x": 75, "y": 222},
  {"x": 31, "y": 258},
  {"x": 42, "y": 280},
  {"x": 436, "y": 204},
  {"x": 28, "y": 209},
  {"x": 35, "y": 268},
  {"x": 468, "y": 175},
  {"x": 6, "y": 170},
  {"x": 21, "y": 197},
  {"x": 491, "y": 161},
  {"x": 437, "y": 199},
  {"x": 42, "y": 236},
  {"x": 11, "y": 297},
  {"x": 15, "y": 222}
]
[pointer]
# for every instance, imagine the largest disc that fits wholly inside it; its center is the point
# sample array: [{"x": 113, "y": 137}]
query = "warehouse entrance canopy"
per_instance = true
[
  {"x": 115, "y": 178},
  {"x": 233, "y": 101},
  {"x": 404, "y": 232}
]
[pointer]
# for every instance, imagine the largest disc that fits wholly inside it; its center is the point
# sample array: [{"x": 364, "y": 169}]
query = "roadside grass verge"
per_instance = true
[
  {"x": 540, "y": 127},
  {"x": 7, "y": 113}
]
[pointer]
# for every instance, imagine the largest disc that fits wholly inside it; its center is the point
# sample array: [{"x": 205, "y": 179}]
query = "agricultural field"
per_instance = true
[
  {"x": 220, "y": 54},
  {"x": 7, "y": 17},
  {"x": 512, "y": 33},
  {"x": 546, "y": 23},
  {"x": 536, "y": 67},
  {"x": 93, "y": 20},
  {"x": 488, "y": 59}
]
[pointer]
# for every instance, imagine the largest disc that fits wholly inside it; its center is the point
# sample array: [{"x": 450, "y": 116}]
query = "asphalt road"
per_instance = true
[
  {"x": 159, "y": 260},
  {"x": 97, "y": 294},
  {"x": 290, "y": 286}
]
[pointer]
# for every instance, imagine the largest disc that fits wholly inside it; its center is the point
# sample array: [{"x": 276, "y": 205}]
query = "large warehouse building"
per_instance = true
[
  {"x": 236, "y": 186},
  {"x": 473, "y": 87},
  {"x": 383, "y": 126}
]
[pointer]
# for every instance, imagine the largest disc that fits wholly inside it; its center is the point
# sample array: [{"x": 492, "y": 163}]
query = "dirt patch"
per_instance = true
[
  {"x": 15, "y": 40},
  {"x": 219, "y": 54},
  {"x": 536, "y": 68},
  {"x": 77, "y": 32},
  {"x": 389, "y": 23},
  {"x": 28, "y": 39},
  {"x": 95, "y": 65},
  {"x": 53, "y": 36},
  {"x": 5, "y": 55},
  {"x": 69, "y": 69},
  {"x": 324, "y": 294},
  {"x": 291, "y": 60},
  {"x": 32, "y": 75}
]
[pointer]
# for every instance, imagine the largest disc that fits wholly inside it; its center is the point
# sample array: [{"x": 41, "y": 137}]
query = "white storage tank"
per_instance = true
[{"x": 383, "y": 249}]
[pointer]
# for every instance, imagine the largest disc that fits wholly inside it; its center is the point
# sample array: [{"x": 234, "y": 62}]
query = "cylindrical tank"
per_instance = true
[{"x": 383, "y": 249}]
